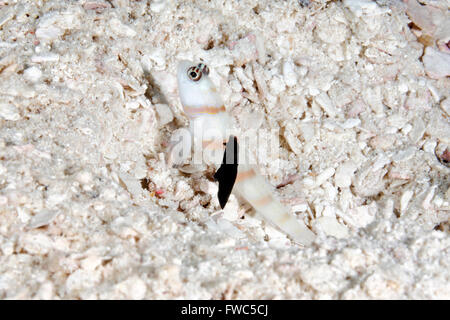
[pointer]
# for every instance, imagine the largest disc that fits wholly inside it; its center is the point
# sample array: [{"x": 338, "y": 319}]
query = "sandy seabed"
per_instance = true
[{"x": 357, "y": 92}]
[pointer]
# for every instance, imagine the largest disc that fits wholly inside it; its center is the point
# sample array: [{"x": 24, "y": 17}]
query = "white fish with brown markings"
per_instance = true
[{"x": 211, "y": 124}]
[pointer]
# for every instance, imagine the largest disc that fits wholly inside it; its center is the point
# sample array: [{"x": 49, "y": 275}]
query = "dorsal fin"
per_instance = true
[{"x": 227, "y": 173}]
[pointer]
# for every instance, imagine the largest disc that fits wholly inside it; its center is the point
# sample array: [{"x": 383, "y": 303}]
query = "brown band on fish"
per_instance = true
[
  {"x": 204, "y": 110},
  {"x": 283, "y": 218},
  {"x": 262, "y": 201},
  {"x": 244, "y": 175},
  {"x": 212, "y": 145}
]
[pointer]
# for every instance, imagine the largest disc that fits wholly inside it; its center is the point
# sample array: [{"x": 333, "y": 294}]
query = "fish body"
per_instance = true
[{"x": 210, "y": 127}]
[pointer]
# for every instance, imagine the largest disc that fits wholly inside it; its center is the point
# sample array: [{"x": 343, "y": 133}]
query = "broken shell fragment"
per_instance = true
[{"x": 437, "y": 63}]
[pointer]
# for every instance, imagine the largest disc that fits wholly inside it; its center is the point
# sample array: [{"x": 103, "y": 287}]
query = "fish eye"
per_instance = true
[{"x": 194, "y": 73}]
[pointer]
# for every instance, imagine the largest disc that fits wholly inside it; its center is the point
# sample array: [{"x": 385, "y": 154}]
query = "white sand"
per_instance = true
[{"x": 88, "y": 101}]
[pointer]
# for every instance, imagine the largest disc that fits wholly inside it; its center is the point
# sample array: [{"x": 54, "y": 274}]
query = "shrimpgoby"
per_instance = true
[{"x": 206, "y": 111}]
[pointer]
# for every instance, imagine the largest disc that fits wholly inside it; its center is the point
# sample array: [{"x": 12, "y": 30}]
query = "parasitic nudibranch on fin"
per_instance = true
[{"x": 209, "y": 126}]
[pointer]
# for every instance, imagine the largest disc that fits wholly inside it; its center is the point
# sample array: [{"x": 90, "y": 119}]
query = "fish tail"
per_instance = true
[{"x": 256, "y": 190}]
